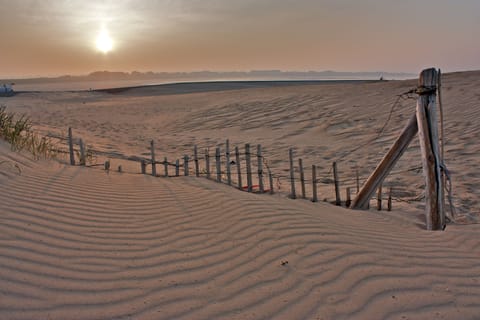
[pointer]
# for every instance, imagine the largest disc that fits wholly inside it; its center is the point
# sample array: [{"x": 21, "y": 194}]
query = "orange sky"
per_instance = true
[{"x": 46, "y": 38}]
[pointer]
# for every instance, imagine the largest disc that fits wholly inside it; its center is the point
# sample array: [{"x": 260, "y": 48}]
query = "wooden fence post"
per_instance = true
[
  {"x": 143, "y": 166},
  {"x": 227, "y": 163},
  {"x": 82, "y": 152},
  {"x": 207, "y": 162},
  {"x": 338, "y": 200},
  {"x": 270, "y": 178},
  {"x": 429, "y": 146},
  {"x": 70, "y": 146},
  {"x": 389, "y": 208},
  {"x": 239, "y": 170},
  {"x": 379, "y": 198},
  {"x": 218, "y": 164},
  {"x": 358, "y": 180},
  {"x": 260, "y": 168},
  {"x": 349, "y": 199},
  {"x": 165, "y": 166},
  {"x": 177, "y": 168},
  {"x": 185, "y": 165},
  {"x": 154, "y": 164},
  {"x": 195, "y": 155},
  {"x": 314, "y": 183},
  {"x": 249, "y": 168},
  {"x": 302, "y": 178},
  {"x": 293, "y": 195}
]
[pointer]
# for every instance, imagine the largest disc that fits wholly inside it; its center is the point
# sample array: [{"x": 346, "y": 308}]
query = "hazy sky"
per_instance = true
[{"x": 54, "y": 37}]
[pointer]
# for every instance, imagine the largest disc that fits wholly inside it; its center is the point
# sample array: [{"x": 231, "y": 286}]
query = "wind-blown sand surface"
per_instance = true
[{"x": 78, "y": 243}]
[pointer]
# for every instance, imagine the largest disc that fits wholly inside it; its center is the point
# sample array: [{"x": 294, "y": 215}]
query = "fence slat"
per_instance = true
[
  {"x": 207, "y": 162},
  {"x": 302, "y": 178},
  {"x": 338, "y": 200},
  {"x": 177, "y": 168},
  {"x": 227, "y": 163},
  {"x": 82, "y": 152},
  {"x": 292, "y": 175},
  {"x": 152, "y": 152},
  {"x": 314, "y": 183},
  {"x": 260, "y": 168},
  {"x": 379, "y": 198},
  {"x": 218, "y": 164},
  {"x": 185, "y": 165},
  {"x": 195, "y": 155},
  {"x": 249, "y": 168},
  {"x": 165, "y": 166},
  {"x": 239, "y": 170},
  {"x": 70, "y": 146}
]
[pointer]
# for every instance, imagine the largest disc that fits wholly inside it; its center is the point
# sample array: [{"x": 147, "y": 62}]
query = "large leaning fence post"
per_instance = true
[
  {"x": 362, "y": 199},
  {"x": 195, "y": 155},
  {"x": 429, "y": 146},
  {"x": 292, "y": 175},
  {"x": 152, "y": 152},
  {"x": 249, "y": 168},
  {"x": 218, "y": 164},
  {"x": 338, "y": 200},
  {"x": 70, "y": 146},
  {"x": 314, "y": 184},
  {"x": 227, "y": 163},
  {"x": 239, "y": 170},
  {"x": 260, "y": 168}
]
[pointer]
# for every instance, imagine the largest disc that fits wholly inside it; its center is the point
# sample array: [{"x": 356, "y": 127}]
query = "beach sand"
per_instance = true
[{"x": 81, "y": 243}]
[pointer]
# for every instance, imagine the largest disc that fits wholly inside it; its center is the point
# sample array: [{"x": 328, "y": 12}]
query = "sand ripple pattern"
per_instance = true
[{"x": 77, "y": 243}]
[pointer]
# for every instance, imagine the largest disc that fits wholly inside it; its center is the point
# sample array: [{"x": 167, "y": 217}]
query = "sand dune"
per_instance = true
[{"x": 78, "y": 243}]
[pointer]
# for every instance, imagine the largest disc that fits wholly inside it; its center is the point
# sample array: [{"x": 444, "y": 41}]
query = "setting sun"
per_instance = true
[{"x": 104, "y": 42}]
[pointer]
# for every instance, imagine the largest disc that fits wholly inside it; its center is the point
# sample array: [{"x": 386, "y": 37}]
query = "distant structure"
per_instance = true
[{"x": 6, "y": 90}]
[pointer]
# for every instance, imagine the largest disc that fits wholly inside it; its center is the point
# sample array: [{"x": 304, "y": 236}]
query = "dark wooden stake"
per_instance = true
[
  {"x": 270, "y": 178},
  {"x": 314, "y": 183},
  {"x": 239, "y": 170},
  {"x": 260, "y": 168},
  {"x": 227, "y": 163},
  {"x": 293, "y": 194},
  {"x": 177, "y": 168},
  {"x": 154, "y": 164},
  {"x": 218, "y": 164},
  {"x": 185, "y": 165},
  {"x": 249, "y": 168},
  {"x": 338, "y": 200},
  {"x": 207, "y": 162},
  {"x": 195, "y": 155},
  {"x": 379, "y": 198},
  {"x": 143, "y": 166},
  {"x": 165, "y": 166},
  {"x": 82, "y": 152},
  {"x": 70, "y": 146},
  {"x": 349, "y": 200},
  {"x": 389, "y": 208},
  {"x": 302, "y": 178}
]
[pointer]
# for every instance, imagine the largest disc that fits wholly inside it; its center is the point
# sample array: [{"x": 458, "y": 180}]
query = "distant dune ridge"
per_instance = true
[{"x": 78, "y": 243}]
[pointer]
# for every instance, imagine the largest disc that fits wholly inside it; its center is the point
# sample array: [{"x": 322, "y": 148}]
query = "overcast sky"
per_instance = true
[{"x": 55, "y": 37}]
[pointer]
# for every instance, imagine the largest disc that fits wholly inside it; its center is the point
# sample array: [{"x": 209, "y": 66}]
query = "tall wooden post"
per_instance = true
[
  {"x": 227, "y": 163},
  {"x": 293, "y": 194},
  {"x": 154, "y": 164},
  {"x": 428, "y": 136},
  {"x": 239, "y": 170},
  {"x": 260, "y": 168},
  {"x": 249, "y": 168},
  {"x": 70, "y": 146}
]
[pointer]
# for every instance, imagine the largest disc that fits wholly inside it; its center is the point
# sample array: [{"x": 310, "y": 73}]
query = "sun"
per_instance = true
[{"x": 104, "y": 42}]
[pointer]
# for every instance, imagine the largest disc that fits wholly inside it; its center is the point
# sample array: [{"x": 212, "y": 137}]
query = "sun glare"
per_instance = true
[{"x": 103, "y": 42}]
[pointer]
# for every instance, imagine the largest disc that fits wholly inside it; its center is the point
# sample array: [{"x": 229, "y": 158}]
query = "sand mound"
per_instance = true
[{"x": 78, "y": 243}]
